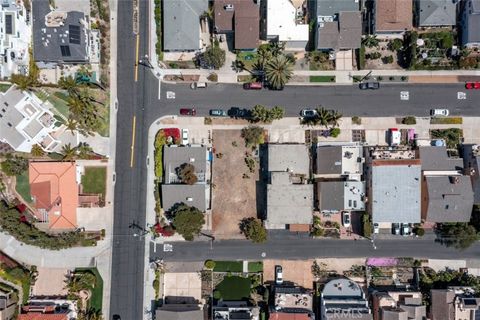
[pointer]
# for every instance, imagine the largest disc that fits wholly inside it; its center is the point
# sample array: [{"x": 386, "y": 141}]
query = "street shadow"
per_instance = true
[{"x": 261, "y": 183}]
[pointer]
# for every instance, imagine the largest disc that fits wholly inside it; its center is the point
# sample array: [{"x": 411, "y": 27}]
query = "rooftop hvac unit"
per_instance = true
[
  {"x": 189, "y": 199},
  {"x": 229, "y": 7}
]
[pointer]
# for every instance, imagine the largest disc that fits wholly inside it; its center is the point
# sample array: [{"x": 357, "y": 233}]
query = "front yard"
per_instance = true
[
  {"x": 94, "y": 180},
  {"x": 234, "y": 288},
  {"x": 23, "y": 186}
]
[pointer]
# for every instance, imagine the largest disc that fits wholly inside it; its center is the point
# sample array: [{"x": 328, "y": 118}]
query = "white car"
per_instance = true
[
  {"x": 278, "y": 275},
  {"x": 376, "y": 228},
  {"x": 439, "y": 112},
  {"x": 185, "y": 136},
  {"x": 308, "y": 113},
  {"x": 346, "y": 219}
]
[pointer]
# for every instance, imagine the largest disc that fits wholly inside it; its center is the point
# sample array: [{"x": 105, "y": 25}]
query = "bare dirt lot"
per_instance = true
[
  {"x": 234, "y": 197},
  {"x": 296, "y": 271}
]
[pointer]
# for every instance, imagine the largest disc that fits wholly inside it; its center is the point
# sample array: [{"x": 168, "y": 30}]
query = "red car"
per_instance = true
[
  {"x": 472, "y": 85},
  {"x": 188, "y": 112}
]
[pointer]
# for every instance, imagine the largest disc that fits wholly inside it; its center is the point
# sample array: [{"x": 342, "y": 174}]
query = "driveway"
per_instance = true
[
  {"x": 234, "y": 195},
  {"x": 296, "y": 271},
  {"x": 50, "y": 282}
]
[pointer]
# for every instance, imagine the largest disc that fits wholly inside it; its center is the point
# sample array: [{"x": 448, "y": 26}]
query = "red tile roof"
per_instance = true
[{"x": 54, "y": 187}]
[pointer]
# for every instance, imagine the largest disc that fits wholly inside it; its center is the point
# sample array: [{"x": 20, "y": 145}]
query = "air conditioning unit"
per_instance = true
[
  {"x": 189, "y": 199},
  {"x": 229, "y": 7}
]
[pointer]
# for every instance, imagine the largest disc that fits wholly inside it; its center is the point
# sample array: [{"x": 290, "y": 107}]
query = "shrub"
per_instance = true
[
  {"x": 409, "y": 120},
  {"x": 335, "y": 132},
  {"x": 367, "y": 225},
  {"x": 217, "y": 295},
  {"x": 356, "y": 120},
  {"x": 188, "y": 221},
  {"x": 207, "y": 121},
  {"x": 253, "y": 136},
  {"x": 361, "y": 57},
  {"x": 374, "y": 55},
  {"x": 387, "y": 59},
  {"x": 213, "y": 77},
  {"x": 14, "y": 165},
  {"x": 420, "y": 232},
  {"x": 210, "y": 264},
  {"x": 254, "y": 230}
]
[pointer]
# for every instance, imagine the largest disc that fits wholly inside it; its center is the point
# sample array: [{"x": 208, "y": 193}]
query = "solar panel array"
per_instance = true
[
  {"x": 74, "y": 34},
  {"x": 65, "y": 51}
]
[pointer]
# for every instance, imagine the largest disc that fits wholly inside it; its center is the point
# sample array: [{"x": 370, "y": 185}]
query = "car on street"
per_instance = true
[
  {"x": 188, "y": 112},
  {"x": 346, "y": 219},
  {"x": 439, "y": 112},
  {"x": 278, "y": 275},
  {"x": 253, "y": 86},
  {"x": 472, "y": 85},
  {"x": 369, "y": 85},
  {"x": 376, "y": 228},
  {"x": 405, "y": 230},
  {"x": 308, "y": 113},
  {"x": 218, "y": 113},
  {"x": 396, "y": 228},
  {"x": 184, "y": 137},
  {"x": 235, "y": 112},
  {"x": 198, "y": 85},
  {"x": 116, "y": 317}
]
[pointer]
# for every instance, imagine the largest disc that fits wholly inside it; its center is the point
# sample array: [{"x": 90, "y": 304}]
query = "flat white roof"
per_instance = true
[{"x": 281, "y": 22}]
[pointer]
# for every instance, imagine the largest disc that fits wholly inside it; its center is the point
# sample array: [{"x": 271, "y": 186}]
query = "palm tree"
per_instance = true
[
  {"x": 71, "y": 125},
  {"x": 37, "y": 151},
  {"x": 75, "y": 105},
  {"x": 277, "y": 48},
  {"x": 68, "y": 152},
  {"x": 277, "y": 113},
  {"x": 260, "y": 113},
  {"x": 323, "y": 116},
  {"x": 69, "y": 84},
  {"x": 278, "y": 71},
  {"x": 23, "y": 82},
  {"x": 335, "y": 116},
  {"x": 84, "y": 150},
  {"x": 370, "y": 41}
]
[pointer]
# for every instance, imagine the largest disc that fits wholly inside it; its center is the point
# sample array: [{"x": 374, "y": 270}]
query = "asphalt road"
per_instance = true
[
  {"x": 307, "y": 248},
  {"x": 348, "y": 99}
]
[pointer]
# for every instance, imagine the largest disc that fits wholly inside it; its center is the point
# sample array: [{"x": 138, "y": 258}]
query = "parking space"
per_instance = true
[{"x": 296, "y": 271}]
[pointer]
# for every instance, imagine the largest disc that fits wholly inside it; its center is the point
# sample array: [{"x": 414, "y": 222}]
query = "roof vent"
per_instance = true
[
  {"x": 192, "y": 159},
  {"x": 189, "y": 199}
]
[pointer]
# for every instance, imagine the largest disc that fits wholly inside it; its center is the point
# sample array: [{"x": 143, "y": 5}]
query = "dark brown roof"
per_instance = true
[
  {"x": 223, "y": 18},
  {"x": 393, "y": 15},
  {"x": 395, "y": 162},
  {"x": 442, "y": 304},
  {"x": 247, "y": 30}
]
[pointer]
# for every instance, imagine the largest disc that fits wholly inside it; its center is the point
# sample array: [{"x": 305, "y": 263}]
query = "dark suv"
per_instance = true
[
  {"x": 369, "y": 85},
  {"x": 238, "y": 113}
]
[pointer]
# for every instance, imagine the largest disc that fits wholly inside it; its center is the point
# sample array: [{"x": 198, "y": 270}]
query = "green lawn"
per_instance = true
[
  {"x": 248, "y": 58},
  {"x": 322, "y": 78},
  {"x": 255, "y": 266},
  {"x": 228, "y": 266},
  {"x": 104, "y": 129},
  {"x": 94, "y": 180},
  {"x": 447, "y": 120},
  {"x": 234, "y": 288},
  {"x": 5, "y": 86},
  {"x": 20, "y": 277},
  {"x": 23, "y": 186},
  {"x": 96, "y": 300}
]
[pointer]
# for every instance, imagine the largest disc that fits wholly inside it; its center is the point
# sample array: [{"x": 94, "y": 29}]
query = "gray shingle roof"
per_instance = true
[
  {"x": 179, "y": 315},
  {"x": 181, "y": 23},
  {"x": 472, "y": 160},
  {"x": 442, "y": 304},
  {"x": 331, "y": 7},
  {"x": 329, "y": 160},
  {"x": 345, "y": 33},
  {"x": 471, "y": 28},
  {"x": 48, "y": 41},
  {"x": 436, "y": 13},
  {"x": 331, "y": 195},
  {"x": 436, "y": 159},
  {"x": 395, "y": 191},
  {"x": 191, "y": 195},
  {"x": 450, "y": 199}
]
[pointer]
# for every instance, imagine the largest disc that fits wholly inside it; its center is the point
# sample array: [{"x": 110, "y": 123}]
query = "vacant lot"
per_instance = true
[
  {"x": 296, "y": 271},
  {"x": 234, "y": 195}
]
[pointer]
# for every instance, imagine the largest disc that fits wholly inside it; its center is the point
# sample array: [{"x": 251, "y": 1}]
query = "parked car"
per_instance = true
[
  {"x": 346, "y": 221},
  {"x": 238, "y": 113},
  {"x": 369, "y": 85},
  {"x": 188, "y": 112},
  {"x": 472, "y": 85},
  {"x": 308, "y": 113},
  {"x": 197, "y": 85},
  {"x": 218, "y": 113},
  {"x": 278, "y": 275},
  {"x": 405, "y": 230},
  {"x": 253, "y": 86},
  {"x": 394, "y": 137},
  {"x": 439, "y": 112},
  {"x": 396, "y": 228},
  {"x": 376, "y": 228},
  {"x": 184, "y": 136}
]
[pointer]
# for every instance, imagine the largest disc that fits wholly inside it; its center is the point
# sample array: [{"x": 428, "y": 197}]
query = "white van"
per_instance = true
[{"x": 196, "y": 85}]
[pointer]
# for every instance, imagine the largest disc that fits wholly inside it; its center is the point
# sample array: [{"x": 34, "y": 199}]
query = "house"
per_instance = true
[
  {"x": 398, "y": 198},
  {"x": 174, "y": 191},
  {"x": 240, "y": 18},
  {"x": 8, "y": 303},
  {"x": 339, "y": 162},
  {"x": 447, "y": 194},
  {"x": 42, "y": 316},
  {"x": 435, "y": 13},
  {"x": 181, "y": 24},
  {"x": 54, "y": 190},
  {"x": 48, "y": 309},
  {"x": 343, "y": 297},
  {"x": 179, "y": 312},
  {"x": 286, "y": 23},
  {"x": 289, "y": 197},
  {"x": 291, "y": 302},
  {"x": 471, "y": 160},
  {"x": 14, "y": 38},
  {"x": 25, "y": 121},
  {"x": 337, "y": 196},
  {"x": 225, "y": 310},
  {"x": 338, "y": 25},
  {"x": 470, "y": 24},
  {"x": 392, "y": 17},
  {"x": 398, "y": 305},
  {"x": 59, "y": 37},
  {"x": 454, "y": 303}
]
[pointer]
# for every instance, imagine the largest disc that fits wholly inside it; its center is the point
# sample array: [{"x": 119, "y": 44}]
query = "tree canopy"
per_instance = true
[
  {"x": 186, "y": 172},
  {"x": 253, "y": 136},
  {"x": 253, "y": 230},
  {"x": 214, "y": 56},
  {"x": 458, "y": 235},
  {"x": 187, "y": 221},
  {"x": 14, "y": 165},
  {"x": 260, "y": 113}
]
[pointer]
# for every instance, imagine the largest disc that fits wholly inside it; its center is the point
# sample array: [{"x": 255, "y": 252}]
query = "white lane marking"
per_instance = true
[
  {"x": 404, "y": 95},
  {"x": 167, "y": 247},
  {"x": 170, "y": 95},
  {"x": 461, "y": 96},
  {"x": 159, "y": 89}
]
